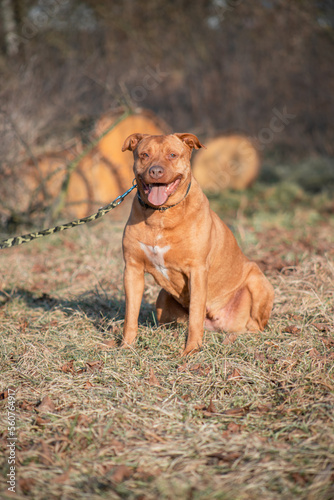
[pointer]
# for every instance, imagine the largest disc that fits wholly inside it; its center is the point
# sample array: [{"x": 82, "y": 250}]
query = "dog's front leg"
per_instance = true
[
  {"x": 197, "y": 310},
  {"x": 134, "y": 289}
]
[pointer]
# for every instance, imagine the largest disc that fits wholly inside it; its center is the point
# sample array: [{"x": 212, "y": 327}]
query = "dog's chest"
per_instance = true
[{"x": 156, "y": 258}]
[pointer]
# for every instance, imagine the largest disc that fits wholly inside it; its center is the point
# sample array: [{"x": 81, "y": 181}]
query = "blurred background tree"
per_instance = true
[{"x": 205, "y": 66}]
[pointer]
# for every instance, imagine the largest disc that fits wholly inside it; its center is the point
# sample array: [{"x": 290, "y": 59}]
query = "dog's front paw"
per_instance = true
[
  {"x": 191, "y": 348},
  {"x": 129, "y": 337},
  {"x": 126, "y": 345}
]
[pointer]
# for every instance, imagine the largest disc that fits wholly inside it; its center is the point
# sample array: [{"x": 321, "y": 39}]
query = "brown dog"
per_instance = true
[{"x": 173, "y": 234}]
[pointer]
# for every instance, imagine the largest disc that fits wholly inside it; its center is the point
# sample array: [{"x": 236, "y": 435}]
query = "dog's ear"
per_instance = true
[
  {"x": 190, "y": 140},
  {"x": 132, "y": 141}
]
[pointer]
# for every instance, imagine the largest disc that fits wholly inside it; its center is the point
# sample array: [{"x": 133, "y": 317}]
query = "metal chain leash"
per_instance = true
[{"x": 25, "y": 238}]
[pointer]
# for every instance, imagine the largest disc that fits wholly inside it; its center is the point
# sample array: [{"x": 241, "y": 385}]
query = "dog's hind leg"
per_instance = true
[
  {"x": 249, "y": 308},
  {"x": 262, "y": 295}
]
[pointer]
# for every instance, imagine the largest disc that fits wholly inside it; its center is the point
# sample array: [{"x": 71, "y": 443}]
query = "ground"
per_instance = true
[{"x": 246, "y": 416}]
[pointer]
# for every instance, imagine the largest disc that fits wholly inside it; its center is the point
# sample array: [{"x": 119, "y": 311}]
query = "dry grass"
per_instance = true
[{"x": 239, "y": 420}]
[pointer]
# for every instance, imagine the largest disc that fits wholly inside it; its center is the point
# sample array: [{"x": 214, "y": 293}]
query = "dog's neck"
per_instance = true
[{"x": 162, "y": 209}]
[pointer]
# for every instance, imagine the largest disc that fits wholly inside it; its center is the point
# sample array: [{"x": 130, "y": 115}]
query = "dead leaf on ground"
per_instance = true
[
  {"x": 116, "y": 446},
  {"x": 262, "y": 409},
  {"x": 95, "y": 365},
  {"x": 68, "y": 367},
  {"x": 234, "y": 428},
  {"x": 235, "y": 374},
  {"x": 25, "y": 405},
  {"x": 211, "y": 408},
  {"x": 322, "y": 327},
  {"x": 199, "y": 407},
  {"x": 81, "y": 419},
  {"x": 88, "y": 385},
  {"x": 207, "y": 411},
  {"x": 45, "y": 406},
  {"x": 328, "y": 341},
  {"x": 259, "y": 356},
  {"x": 238, "y": 411},
  {"x": 120, "y": 473},
  {"x": 208, "y": 414},
  {"x": 296, "y": 317},
  {"x": 4, "y": 394},
  {"x": 62, "y": 478},
  {"x": 299, "y": 478},
  {"x": 41, "y": 421},
  {"x": 200, "y": 368},
  {"x": 105, "y": 468},
  {"x": 183, "y": 367},
  {"x": 45, "y": 454},
  {"x": 23, "y": 326},
  {"x": 281, "y": 408},
  {"x": 314, "y": 353},
  {"x": 195, "y": 367},
  {"x": 153, "y": 379},
  {"x": 148, "y": 473},
  {"x": 152, "y": 437},
  {"x": 25, "y": 484},
  {"x": 292, "y": 329},
  {"x": 225, "y": 457}
]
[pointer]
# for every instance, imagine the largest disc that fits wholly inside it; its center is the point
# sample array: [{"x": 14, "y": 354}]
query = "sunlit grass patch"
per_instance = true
[{"x": 245, "y": 416}]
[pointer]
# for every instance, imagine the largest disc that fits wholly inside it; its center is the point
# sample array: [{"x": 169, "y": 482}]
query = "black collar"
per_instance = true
[{"x": 161, "y": 209}]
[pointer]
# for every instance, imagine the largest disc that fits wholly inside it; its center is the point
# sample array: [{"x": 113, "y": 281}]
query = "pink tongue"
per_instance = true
[{"x": 158, "y": 195}]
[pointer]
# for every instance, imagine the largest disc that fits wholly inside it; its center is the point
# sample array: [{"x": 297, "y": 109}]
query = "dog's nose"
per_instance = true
[{"x": 156, "y": 172}]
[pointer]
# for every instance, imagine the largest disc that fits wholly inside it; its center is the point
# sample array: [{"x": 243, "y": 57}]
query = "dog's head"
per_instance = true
[{"x": 162, "y": 165}]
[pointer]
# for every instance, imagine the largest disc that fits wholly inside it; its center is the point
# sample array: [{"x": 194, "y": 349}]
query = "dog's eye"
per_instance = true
[
  {"x": 144, "y": 155},
  {"x": 173, "y": 155}
]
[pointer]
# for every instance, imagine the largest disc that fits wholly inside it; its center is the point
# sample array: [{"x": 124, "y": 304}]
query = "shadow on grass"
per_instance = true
[{"x": 101, "y": 309}]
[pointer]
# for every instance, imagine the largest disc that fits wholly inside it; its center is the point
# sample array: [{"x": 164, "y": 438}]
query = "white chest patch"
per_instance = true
[{"x": 156, "y": 256}]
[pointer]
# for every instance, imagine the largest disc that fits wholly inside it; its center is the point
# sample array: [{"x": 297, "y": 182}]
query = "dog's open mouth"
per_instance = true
[{"x": 158, "y": 193}]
